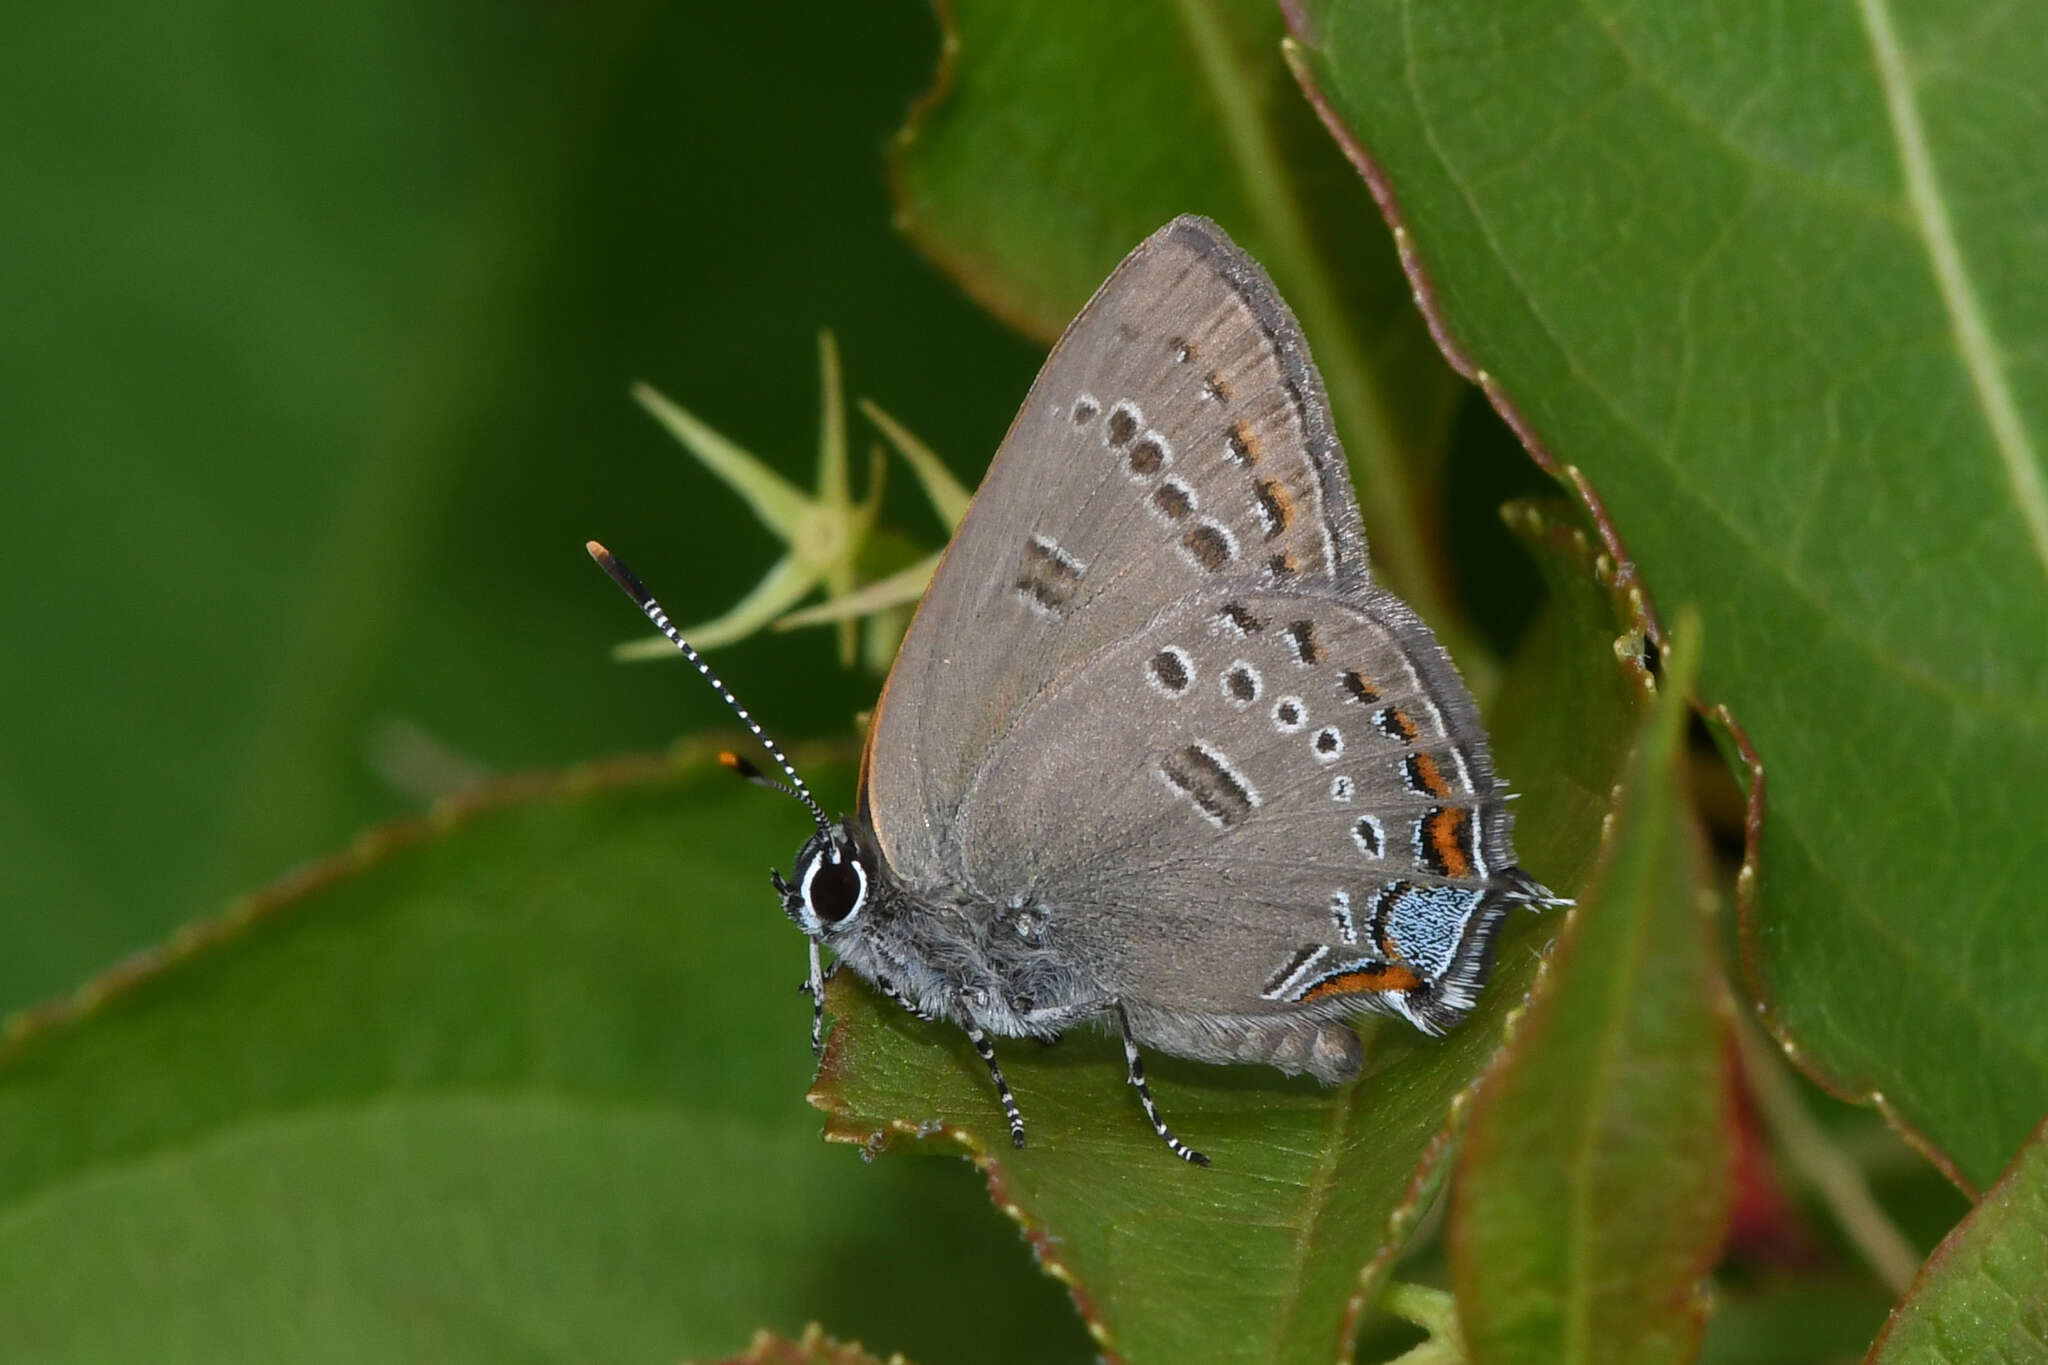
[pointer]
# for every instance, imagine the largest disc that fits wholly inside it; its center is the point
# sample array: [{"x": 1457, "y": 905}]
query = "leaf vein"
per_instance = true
[
  {"x": 1979, "y": 352},
  {"x": 1852, "y": 630}
]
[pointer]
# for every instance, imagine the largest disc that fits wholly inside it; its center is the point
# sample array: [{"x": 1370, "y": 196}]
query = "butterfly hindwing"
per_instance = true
[{"x": 1290, "y": 806}]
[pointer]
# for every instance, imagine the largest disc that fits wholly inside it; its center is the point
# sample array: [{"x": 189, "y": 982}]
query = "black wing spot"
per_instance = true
[{"x": 1307, "y": 648}]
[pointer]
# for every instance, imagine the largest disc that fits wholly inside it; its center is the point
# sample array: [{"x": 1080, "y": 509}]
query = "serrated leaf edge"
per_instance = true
[
  {"x": 1950, "y": 1244},
  {"x": 24, "y": 1028},
  {"x": 1543, "y": 985},
  {"x": 1627, "y": 573},
  {"x": 873, "y": 1140},
  {"x": 814, "y": 1347}
]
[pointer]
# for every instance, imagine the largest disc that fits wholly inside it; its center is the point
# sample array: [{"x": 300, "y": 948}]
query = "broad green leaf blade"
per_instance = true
[
  {"x": 524, "y": 1082},
  {"x": 1273, "y": 1252},
  {"x": 1763, "y": 275},
  {"x": 1593, "y": 1186},
  {"x": 1983, "y": 1294},
  {"x": 1058, "y": 136}
]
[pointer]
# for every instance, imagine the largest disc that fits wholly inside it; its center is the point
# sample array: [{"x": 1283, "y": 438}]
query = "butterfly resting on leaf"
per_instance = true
[{"x": 1156, "y": 751}]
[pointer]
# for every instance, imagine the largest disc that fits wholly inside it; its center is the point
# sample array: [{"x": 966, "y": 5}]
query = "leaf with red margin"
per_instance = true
[
  {"x": 1593, "y": 1186},
  {"x": 1759, "y": 276},
  {"x": 522, "y": 1081},
  {"x": 1983, "y": 1294},
  {"x": 1058, "y": 135},
  {"x": 1272, "y": 1252}
]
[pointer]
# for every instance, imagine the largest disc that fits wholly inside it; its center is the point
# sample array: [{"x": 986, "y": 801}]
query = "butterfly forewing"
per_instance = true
[{"x": 1177, "y": 438}]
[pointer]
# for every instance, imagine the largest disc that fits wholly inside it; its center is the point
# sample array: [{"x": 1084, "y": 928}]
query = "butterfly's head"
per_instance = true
[
  {"x": 836, "y": 873},
  {"x": 836, "y": 877}
]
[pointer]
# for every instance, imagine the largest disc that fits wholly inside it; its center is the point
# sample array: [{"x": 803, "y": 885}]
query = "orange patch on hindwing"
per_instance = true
[
  {"x": 1365, "y": 981},
  {"x": 1445, "y": 832},
  {"x": 1425, "y": 776}
]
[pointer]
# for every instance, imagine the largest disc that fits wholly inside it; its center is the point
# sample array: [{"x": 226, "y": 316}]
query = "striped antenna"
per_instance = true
[
  {"x": 644, "y": 600},
  {"x": 745, "y": 769}
]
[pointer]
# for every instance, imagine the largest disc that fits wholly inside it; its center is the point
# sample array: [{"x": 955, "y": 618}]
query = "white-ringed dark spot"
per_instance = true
[
  {"x": 1209, "y": 546},
  {"x": 1148, "y": 455},
  {"x": 1123, "y": 424},
  {"x": 1170, "y": 671},
  {"x": 1241, "y": 684}
]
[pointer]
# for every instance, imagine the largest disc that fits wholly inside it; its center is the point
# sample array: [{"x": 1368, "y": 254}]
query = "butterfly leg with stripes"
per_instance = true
[
  {"x": 1133, "y": 1061},
  {"x": 988, "y": 1055},
  {"x": 1136, "y": 1065},
  {"x": 888, "y": 988},
  {"x": 1057, "y": 1018},
  {"x": 814, "y": 986},
  {"x": 981, "y": 1045}
]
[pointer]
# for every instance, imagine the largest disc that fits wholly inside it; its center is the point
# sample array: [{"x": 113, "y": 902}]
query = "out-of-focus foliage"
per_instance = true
[{"x": 320, "y": 326}]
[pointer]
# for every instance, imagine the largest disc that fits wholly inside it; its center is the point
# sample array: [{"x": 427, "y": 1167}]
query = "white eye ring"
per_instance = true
[{"x": 818, "y": 923}]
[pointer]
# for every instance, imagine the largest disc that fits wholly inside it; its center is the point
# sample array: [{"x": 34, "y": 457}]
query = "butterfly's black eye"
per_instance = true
[{"x": 834, "y": 891}]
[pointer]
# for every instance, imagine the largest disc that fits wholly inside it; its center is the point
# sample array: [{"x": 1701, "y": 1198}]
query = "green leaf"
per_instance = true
[
  {"x": 1057, "y": 136},
  {"x": 1593, "y": 1187},
  {"x": 1762, "y": 275},
  {"x": 524, "y": 1082},
  {"x": 1273, "y": 1252},
  {"x": 1983, "y": 1294}
]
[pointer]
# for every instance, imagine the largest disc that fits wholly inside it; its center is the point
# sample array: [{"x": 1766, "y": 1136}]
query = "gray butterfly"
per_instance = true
[{"x": 1156, "y": 750}]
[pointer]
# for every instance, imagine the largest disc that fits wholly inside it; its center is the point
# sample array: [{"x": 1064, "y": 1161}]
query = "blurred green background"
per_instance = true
[{"x": 320, "y": 322}]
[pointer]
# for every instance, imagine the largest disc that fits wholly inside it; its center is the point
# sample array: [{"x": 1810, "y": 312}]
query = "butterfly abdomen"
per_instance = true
[{"x": 1326, "y": 1049}]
